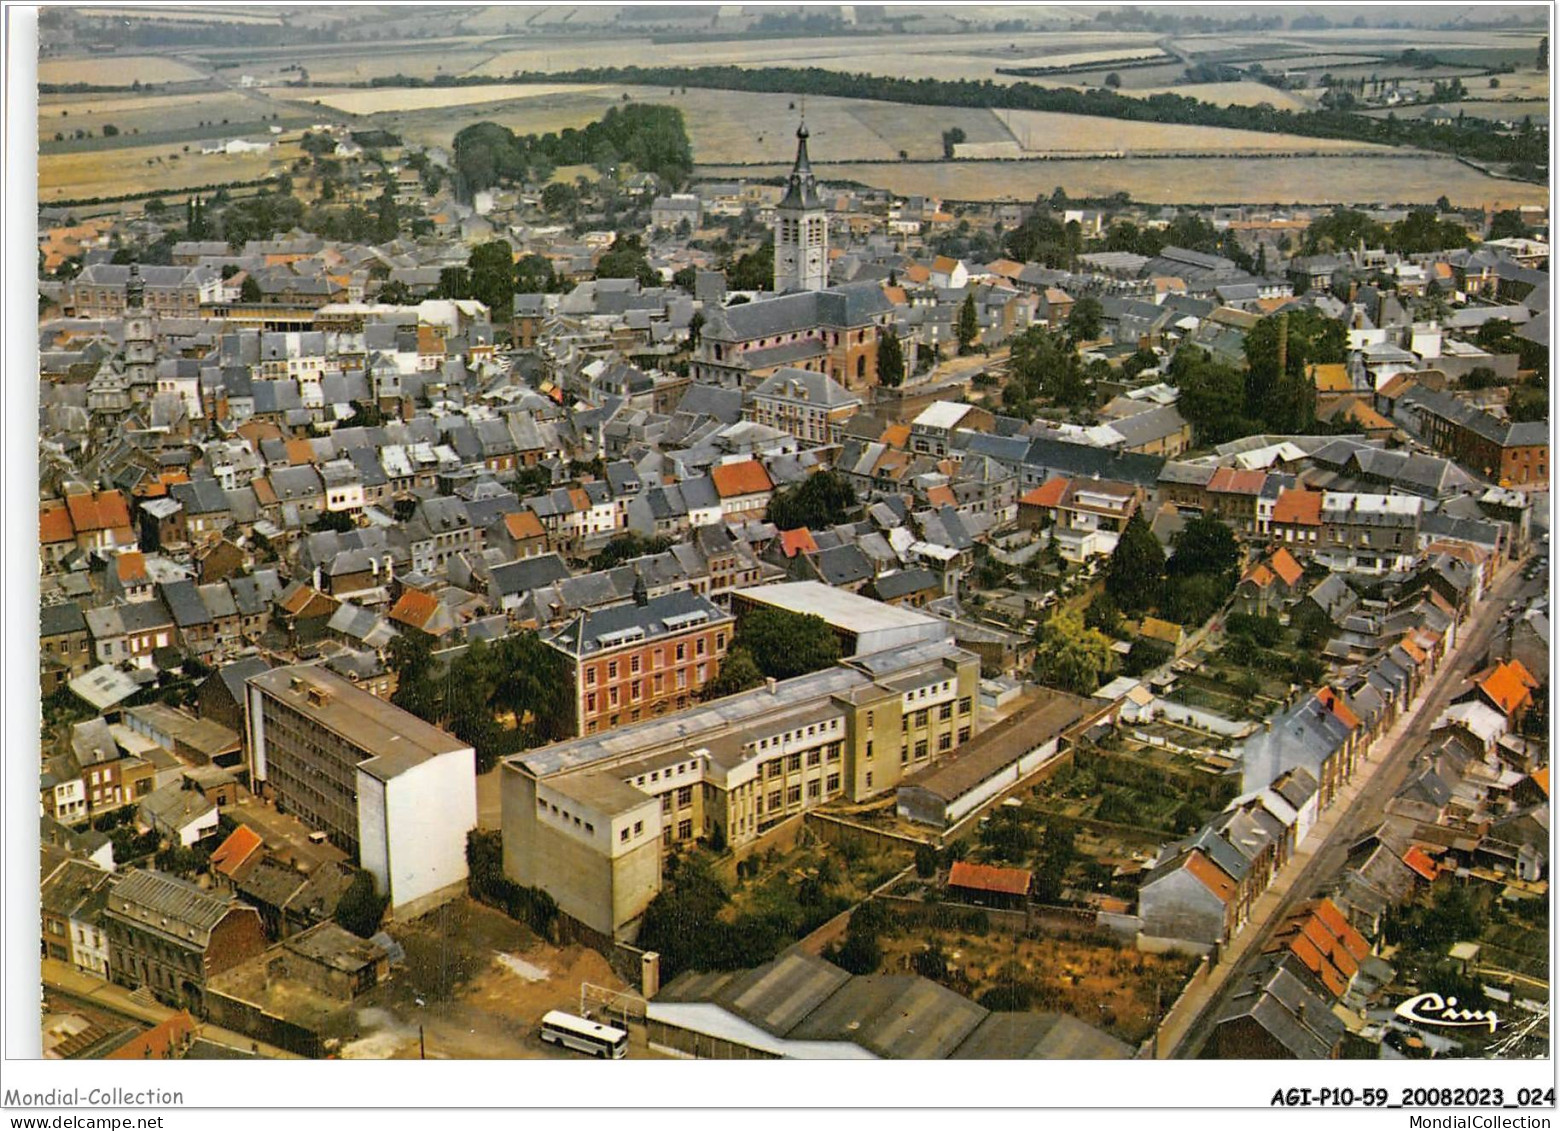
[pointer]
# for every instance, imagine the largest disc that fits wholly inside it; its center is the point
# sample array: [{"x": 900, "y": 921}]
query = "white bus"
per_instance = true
[{"x": 573, "y": 1032}]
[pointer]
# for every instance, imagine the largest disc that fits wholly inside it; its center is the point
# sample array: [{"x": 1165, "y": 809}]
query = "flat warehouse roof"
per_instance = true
[
  {"x": 839, "y": 607},
  {"x": 396, "y": 740}
]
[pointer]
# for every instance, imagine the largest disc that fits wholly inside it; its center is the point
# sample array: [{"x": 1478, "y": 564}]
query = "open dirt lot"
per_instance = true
[
  {"x": 1234, "y": 180},
  {"x": 478, "y": 983}
]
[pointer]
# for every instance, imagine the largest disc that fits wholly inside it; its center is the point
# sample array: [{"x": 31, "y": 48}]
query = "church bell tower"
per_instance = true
[{"x": 801, "y": 229}]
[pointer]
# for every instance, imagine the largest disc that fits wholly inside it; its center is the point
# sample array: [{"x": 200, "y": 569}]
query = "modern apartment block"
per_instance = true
[
  {"x": 589, "y": 819},
  {"x": 393, "y": 790},
  {"x": 642, "y": 659}
]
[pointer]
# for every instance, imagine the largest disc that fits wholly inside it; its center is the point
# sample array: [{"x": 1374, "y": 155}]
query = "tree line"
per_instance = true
[
  {"x": 651, "y": 138},
  {"x": 1473, "y": 139}
]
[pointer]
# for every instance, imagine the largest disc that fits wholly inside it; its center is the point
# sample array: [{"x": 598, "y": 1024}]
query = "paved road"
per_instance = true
[{"x": 1359, "y": 811}]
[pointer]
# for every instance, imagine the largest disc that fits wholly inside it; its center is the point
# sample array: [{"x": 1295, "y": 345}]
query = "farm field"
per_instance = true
[
  {"x": 723, "y": 126},
  {"x": 117, "y": 70},
  {"x": 914, "y": 56},
  {"x": 1502, "y": 111},
  {"x": 1040, "y": 131},
  {"x": 392, "y": 100},
  {"x": 149, "y": 168},
  {"x": 149, "y": 113},
  {"x": 1406, "y": 179},
  {"x": 1232, "y": 94}
]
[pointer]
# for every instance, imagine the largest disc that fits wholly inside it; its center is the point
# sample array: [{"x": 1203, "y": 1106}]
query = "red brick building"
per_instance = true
[{"x": 639, "y": 660}]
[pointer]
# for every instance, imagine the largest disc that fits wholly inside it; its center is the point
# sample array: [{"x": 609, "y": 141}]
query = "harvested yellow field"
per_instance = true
[
  {"x": 361, "y": 67},
  {"x": 1231, "y": 94},
  {"x": 116, "y": 70},
  {"x": 150, "y": 168},
  {"x": 913, "y": 56},
  {"x": 1402, "y": 179},
  {"x": 150, "y": 113},
  {"x": 393, "y": 101},
  {"x": 1088, "y": 58},
  {"x": 1040, "y": 131},
  {"x": 189, "y": 14}
]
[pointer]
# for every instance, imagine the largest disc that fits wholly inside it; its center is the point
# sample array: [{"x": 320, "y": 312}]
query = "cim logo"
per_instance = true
[{"x": 1432, "y": 1009}]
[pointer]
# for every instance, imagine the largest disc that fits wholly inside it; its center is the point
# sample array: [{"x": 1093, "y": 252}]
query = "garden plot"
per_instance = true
[{"x": 117, "y": 70}]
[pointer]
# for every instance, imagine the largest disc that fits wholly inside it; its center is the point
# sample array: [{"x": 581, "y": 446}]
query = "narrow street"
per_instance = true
[
  {"x": 1357, "y": 811},
  {"x": 66, "y": 980}
]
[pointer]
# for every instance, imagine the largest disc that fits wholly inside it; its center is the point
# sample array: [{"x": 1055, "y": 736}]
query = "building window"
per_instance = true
[
  {"x": 684, "y": 830},
  {"x": 944, "y": 742},
  {"x": 945, "y": 711},
  {"x": 869, "y": 779},
  {"x": 685, "y": 796},
  {"x": 666, "y": 835},
  {"x": 682, "y": 651},
  {"x": 612, "y": 670},
  {"x": 814, "y": 757},
  {"x": 639, "y": 827},
  {"x": 666, "y": 802},
  {"x": 793, "y": 795},
  {"x": 633, "y": 665},
  {"x": 793, "y": 762},
  {"x": 920, "y": 750},
  {"x": 964, "y": 705},
  {"x": 869, "y": 748},
  {"x": 623, "y": 837},
  {"x": 904, "y": 724},
  {"x": 833, "y": 783},
  {"x": 964, "y": 734},
  {"x": 698, "y": 646},
  {"x": 774, "y": 800}
]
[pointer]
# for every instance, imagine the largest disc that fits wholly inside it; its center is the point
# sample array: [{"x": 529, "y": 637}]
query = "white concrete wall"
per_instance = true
[{"x": 421, "y": 817}]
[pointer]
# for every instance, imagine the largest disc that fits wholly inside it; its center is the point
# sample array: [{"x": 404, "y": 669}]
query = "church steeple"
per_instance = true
[
  {"x": 801, "y": 228},
  {"x": 801, "y": 190}
]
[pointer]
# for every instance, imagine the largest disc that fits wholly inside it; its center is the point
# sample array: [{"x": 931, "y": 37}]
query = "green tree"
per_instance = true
[
  {"x": 493, "y": 277},
  {"x": 1284, "y": 398},
  {"x": 1070, "y": 656},
  {"x": 753, "y": 271},
  {"x": 1113, "y": 80},
  {"x": 249, "y": 290},
  {"x": 534, "y": 274},
  {"x": 738, "y": 672},
  {"x": 825, "y": 498},
  {"x": 396, "y": 293},
  {"x": 1205, "y": 545},
  {"x": 560, "y": 199},
  {"x": 1212, "y": 395},
  {"x": 627, "y": 260},
  {"x": 784, "y": 644},
  {"x": 1086, "y": 319},
  {"x": 968, "y": 328},
  {"x": 1007, "y": 837},
  {"x": 621, "y": 547},
  {"x": 890, "y": 360},
  {"x": 1507, "y": 224},
  {"x": 361, "y": 908},
  {"x": 1137, "y": 568}
]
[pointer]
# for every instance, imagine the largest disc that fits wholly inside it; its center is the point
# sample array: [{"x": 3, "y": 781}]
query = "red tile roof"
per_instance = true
[
  {"x": 523, "y": 524},
  {"x": 1421, "y": 863},
  {"x": 299, "y": 452},
  {"x": 942, "y": 496},
  {"x": 1231, "y": 481},
  {"x": 798, "y": 541},
  {"x": 1298, "y": 507},
  {"x": 1283, "y": 563},
  {"x": 54, "y": 524},
  {"x": 107, "y": 510},
  {"x": 234, "y": 852},
  {"x": 161, "y": 1042},
  {"x": 1507, "y": 686},
  {"x": 1048, "y": 494},
  {"x": 1260, "y": 576},
  {"x": 745, "y": 478},
  {"x": 131, "y": 566},
  {"x": 414, "y": 608},
  {"x": 1338, "y": 707},
  {"x": 1210, "y": 875},
  {"x": 984, "y": 877}
]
